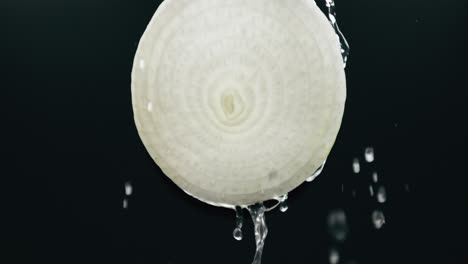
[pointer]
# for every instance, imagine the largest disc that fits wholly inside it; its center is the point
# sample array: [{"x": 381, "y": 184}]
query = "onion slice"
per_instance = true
[{"x": 238, "y": 101}]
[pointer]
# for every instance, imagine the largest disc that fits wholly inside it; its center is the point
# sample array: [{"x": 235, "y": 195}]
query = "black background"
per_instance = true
[{"x": 69, "y": 144}]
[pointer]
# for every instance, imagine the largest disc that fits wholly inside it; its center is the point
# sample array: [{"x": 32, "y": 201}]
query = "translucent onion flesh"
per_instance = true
[{"x": 238, "y": 101}]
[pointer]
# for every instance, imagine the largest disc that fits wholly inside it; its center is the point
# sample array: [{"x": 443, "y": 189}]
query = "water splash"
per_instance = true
[
  {"x": 369, "y": 154},
  {"x": 378, "y": 218},
  {"x": 237, "y": 233},
  {"x": 317, "y": 172},
  {"x": 257, "y": 212},
  {"x": 356, "y": 165},
  {"x": 343, "y": 43}
]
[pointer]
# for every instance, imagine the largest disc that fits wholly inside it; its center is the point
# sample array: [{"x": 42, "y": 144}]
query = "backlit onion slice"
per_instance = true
[{"x": 238, "y": 101}]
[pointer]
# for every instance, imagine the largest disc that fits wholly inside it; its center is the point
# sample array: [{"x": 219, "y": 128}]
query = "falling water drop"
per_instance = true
[
  {"x": 356, "y": 165},
  {"x": 257, "y": 212},
  {"x": 381, "y": 194},
  {"x": 369, "y": 154},
  {"x": 378, "y": 219},
  {"x": 317, "y": 172},
  {"x": 283, "y": 205},
  {"x": 337, "y": 225},
  {"x": 237, "y": 233},
  {"x": 128, "y": 188},
  {"x": 334, "y": 256},
  {"x": 125, "y": 203},
  {"x": 371, "y": 190},
  {"x": 375, "y": 177}
]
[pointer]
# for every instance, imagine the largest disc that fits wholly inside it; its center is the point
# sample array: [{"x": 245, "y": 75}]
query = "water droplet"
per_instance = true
[
  {"x": 378, "y": 219},
  {"x": 317, "y": 172},
  {"x": 337, "y": 225},
  {"x": 356, "y": 165},
  {"x": 334, "y": 256},
  {"x": 283, "y": 205},
  {"x": 371, "y": 190},
  {"x": 381, "y": 194},
  {"x": 125, "y": 203},
  {"x": 369, "y": 154},
  {"x": 375, "y": 177},
  {"x": 142, "y": 64},
  {"x": 237, "y": 234},
  {"x": 149, "y": 107},
  {"x": 284, "y": 208},
  {"x": 128, "y": 188}
]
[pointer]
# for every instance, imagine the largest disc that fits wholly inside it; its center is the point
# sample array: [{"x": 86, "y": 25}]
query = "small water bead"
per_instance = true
[
  {"x": 371, "y": 190},
  {"x": 378, "y": 218},
  {"x": 369, "y": 154},
  {"x": 237, "y": 234},
  {"x": 356, "y": 165},
  {"x": 283, "y": 205},
  {"x": 128, "y": 188},
  {"x": 337, "y": 225},
  {"x": 381, "y": 194},
  {"x": 149, "y": 107},
  {"x": 334, "y": 256},
  {"x": 125, "y": 203},
  {"x": 375, "y": 177}
]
